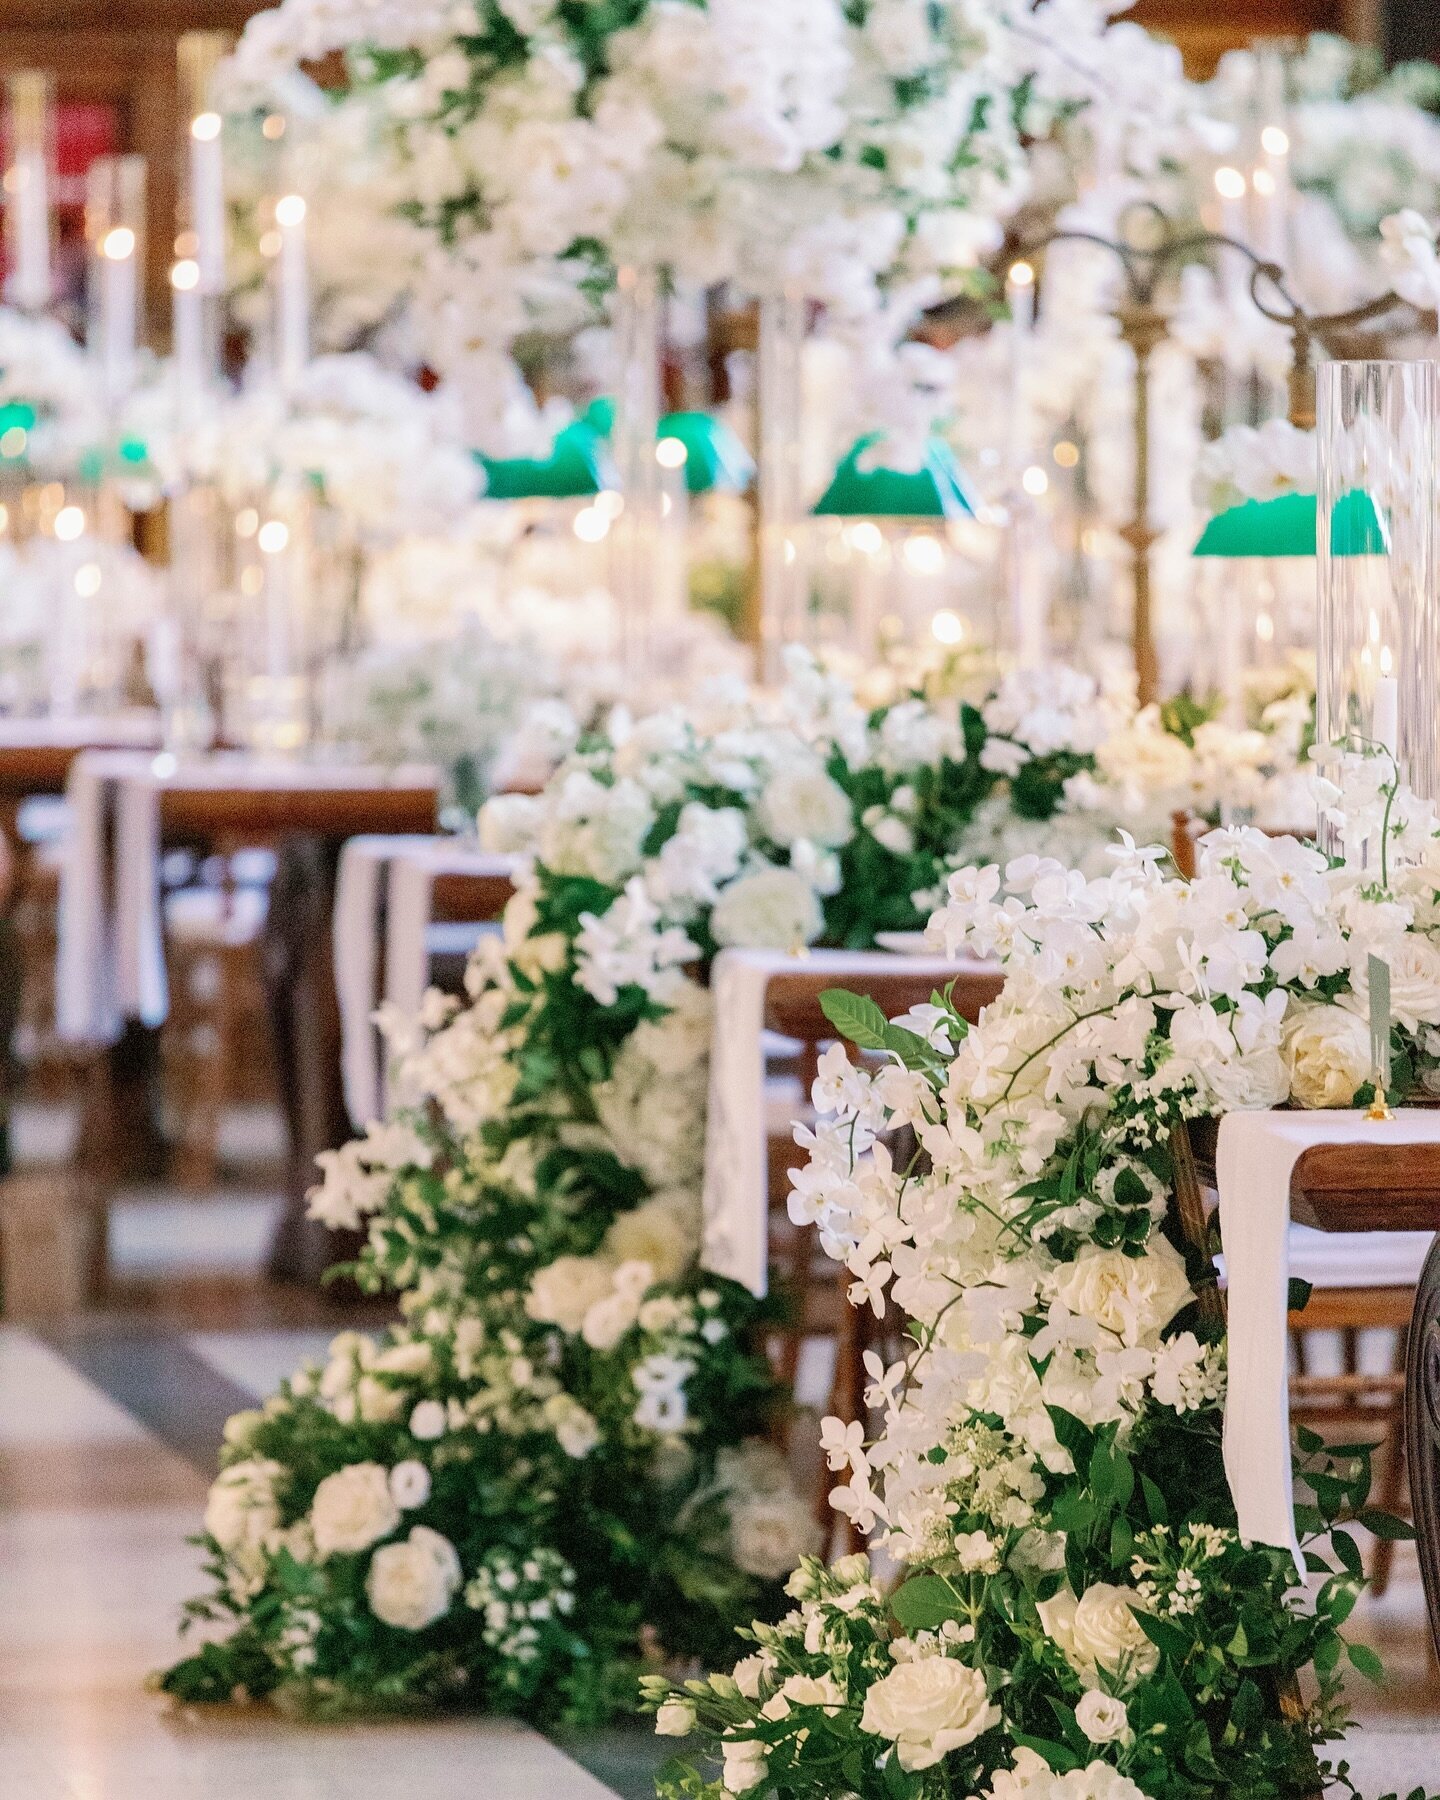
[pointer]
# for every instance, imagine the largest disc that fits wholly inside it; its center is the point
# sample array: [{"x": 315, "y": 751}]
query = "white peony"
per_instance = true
[
  {"x": 1099, "y": 1631},
  {"x": 353, "y": 1509},
  {"x": 1327, "y": 1051},
  {"x": 929, "y": 1708},
  {"x": 411, "y": 1584},
  {"x": 804, "y": 803},
  {"x": 772, "y": 909},
  {"x": 1135, "y": 1297},
  {"x": 564, "y": 1291}
]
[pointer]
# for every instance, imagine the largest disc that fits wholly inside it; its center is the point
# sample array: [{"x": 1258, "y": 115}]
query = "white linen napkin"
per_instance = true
[
  {"x": 1254, "y": 1161},
  {"x": 141, "y": 987},
  {"x": 736, "y": 1203}
]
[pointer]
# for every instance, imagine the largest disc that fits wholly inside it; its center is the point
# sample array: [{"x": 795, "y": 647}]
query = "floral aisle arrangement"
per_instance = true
[
  {"x": 863, "y": 154},
  {"x": 1076, "y": 1617},
  {"x": 546, "y": 1473}
]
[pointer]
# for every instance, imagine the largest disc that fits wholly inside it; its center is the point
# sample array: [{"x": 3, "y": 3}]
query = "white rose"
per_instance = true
[
  {"x": 745, "y": 1766},
  {"x": 1100, "y": 1630},
  {"x": 676, "y": 1718},
  {"x": 241, "y": 1510},
  {"x": 772, "y": 909},
  {"x": 770, "y": 1532},
  {"x": 663, "y": 1231},
  {"x": 804, "y": 1690},
  {"x": 805, "y": 803},
  {"x": 1135, "y": 1297},
  {"x": 1414, "y": 981},
  {"x": 929, "y": 1708},
  {"x": 411, "y": 1584},
  {"x": 353, "y": 1509},
  {"x": 565, "y": 1290},
  {"x": 428, "y": 1421},
  {"x": 409, "y": 1484},
  {"x": 1327, "y": 1051},
  {"x": 1103, "y": 1718}
]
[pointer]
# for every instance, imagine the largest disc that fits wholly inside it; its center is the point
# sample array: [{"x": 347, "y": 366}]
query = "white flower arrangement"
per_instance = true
[
  {"x": 1048, "y": 1473},
  {"x": 862, "y": 157},
  {"x": 1256, "y": 462}
]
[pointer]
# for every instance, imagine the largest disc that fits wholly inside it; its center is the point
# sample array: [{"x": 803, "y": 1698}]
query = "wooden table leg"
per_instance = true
[
  {"x": 1422, "y": 1431},
  {"x": 305, "y": 1019}
]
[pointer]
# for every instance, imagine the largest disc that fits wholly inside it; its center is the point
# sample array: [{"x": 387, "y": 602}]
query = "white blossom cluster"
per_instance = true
[{"x": 43, "y": 368}]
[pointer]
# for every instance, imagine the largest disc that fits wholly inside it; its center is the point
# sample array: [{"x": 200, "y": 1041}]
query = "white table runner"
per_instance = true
[
  {"x": 359, "y": 891},
  {"x": 408, "y": 916},
  {"x": 736, "y": 1207},
  {"x": 86, "y": 1006},
  {"x": 1254, "y": 1162}
]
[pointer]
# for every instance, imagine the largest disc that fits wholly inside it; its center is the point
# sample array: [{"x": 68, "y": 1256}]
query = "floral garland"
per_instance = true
[
  {"x": 544, "y": 1470},
  {"x": 1077, "y": 1617}
]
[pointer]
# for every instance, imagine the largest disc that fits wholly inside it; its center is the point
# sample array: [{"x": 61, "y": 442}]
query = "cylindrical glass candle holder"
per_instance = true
[
  {"x": 1377, "y": 537},
  {"x": 635, "y": 319},
  {"x": 29, "y": 176}
]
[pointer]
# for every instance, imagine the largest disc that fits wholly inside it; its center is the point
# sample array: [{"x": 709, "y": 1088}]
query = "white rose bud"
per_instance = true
[{"x": 676, "y": 1718}]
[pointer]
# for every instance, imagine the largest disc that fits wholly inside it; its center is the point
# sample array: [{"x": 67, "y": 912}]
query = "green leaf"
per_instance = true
[
  {"x": 1386, "y": 1525},
  {"x": 924, "y": 1603},
  {"x": 856, "y": 1017},
  {"x": 1366, "y": 1661},
  {"x": 1155, "y": 1503},
  {"x": 1060, "y": 1759}
]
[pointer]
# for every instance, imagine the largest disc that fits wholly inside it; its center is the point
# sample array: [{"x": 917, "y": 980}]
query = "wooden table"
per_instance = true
[
  {"x": 305, "y": 813},
  {"x": 1370, "y": 1187}
]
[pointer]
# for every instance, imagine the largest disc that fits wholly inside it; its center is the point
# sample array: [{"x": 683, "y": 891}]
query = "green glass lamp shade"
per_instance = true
[
  {"x": 17, "y": 421},
  {"x": 599, "y": 415},
  {"x": 936, "y": 490},
  {"x": 714, "y": 456},
  {"x": 1357, "y": 526},
  {"x": 1286, "y": 526},
  {"x": 578, "y": 465}
]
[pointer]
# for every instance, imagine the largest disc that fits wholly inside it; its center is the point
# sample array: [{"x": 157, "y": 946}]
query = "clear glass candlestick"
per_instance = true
[{"x": 1378, "y": 545}]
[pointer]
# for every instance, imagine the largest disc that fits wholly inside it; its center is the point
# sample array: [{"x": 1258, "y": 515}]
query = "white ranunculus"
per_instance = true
[
  {"x": 804, "y": 802},
  {"x": 1099, "y": 1631},
  {"x": 409, "y": 1484},
  {"x": 1135, "y": 1297},
  {"x": 1327, "y": 1051},
  {"x": 241, "y": 1510},
  {"x": 353, "y": 1509},
  {"x": 411, "y": 1584},
  {"x": 676, "y": 1718},
  {"x": 929, "y": 1708},
  {"x": 1103, "y": 1718},
  {"x": 773, "y": 909},
  {"x": 564, "y": 1291}
]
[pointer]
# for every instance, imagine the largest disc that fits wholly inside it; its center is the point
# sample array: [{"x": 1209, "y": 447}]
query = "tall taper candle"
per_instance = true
[
  {"x": 207, "y": 200},
  {"x": 292, "y": 291}
]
